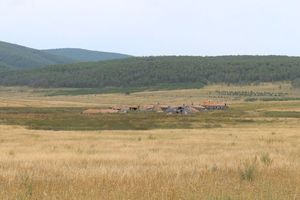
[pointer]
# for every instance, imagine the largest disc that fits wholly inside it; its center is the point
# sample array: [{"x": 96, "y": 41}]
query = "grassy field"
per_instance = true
[
  {"x": 28, "y": 97},
  {"x": 49, "y": 150},
  {"x": 73, "y": 119}
]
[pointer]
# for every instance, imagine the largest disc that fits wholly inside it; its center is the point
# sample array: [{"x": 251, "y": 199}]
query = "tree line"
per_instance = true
[{"x": 155, "y": 71}]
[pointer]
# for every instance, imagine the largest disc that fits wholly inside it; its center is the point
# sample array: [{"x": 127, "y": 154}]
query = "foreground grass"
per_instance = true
[
  {"x": 259, "y": 162},
  {"x": 248, "y": 152}
]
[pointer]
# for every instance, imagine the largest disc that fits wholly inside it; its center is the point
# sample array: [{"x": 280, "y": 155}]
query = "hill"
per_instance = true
[
  {"x": 82, "y": 55},
  {"x": 20, "y": 57},
  {"x": 17, "y": 57},
  {"x": 160, "y": 71},
  {"x": 3, "y": 68}
]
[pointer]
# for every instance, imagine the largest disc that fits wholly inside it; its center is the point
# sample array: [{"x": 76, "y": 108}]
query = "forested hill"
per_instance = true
[
  {"x": 83, "y": 55},
  {"x": 20, "y": 57},
  {"x": 153, "y": 71},
  {"x": 3, "y": 68}
]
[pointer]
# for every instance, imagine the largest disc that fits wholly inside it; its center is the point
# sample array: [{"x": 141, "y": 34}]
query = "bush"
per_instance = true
[
  {"x": 266, "y": 159},
  {"x": 249, "y": 170}
]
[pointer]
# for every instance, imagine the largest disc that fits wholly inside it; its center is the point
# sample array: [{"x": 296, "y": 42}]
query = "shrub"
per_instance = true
[
  {"x": 151, "y": 137},
  {"x": 266, "y": 159},
  {"x": 249, "y": 170},
  {"x": 12, "y": 153}
]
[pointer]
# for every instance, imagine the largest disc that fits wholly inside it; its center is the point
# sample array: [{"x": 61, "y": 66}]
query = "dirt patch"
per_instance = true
[{"x": 99, "y": 111}]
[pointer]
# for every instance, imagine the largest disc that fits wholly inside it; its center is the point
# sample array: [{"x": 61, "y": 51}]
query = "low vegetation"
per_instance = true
[
  {"x": 73, "y": 119},
  {"x": 266, "y": 159},
  {"x": 249, "y": 170}
]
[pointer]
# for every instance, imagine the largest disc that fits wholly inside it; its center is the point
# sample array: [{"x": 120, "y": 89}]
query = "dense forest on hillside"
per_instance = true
[
  {"x": 296, "y": 83},
  {"x": 153, "y": 71}
]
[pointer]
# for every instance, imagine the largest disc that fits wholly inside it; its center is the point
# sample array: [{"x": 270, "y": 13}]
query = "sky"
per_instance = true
[{"x": 155, "y": 27}]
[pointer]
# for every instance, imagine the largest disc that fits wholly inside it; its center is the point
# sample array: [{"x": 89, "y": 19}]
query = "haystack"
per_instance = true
[
  {"x": 146, "y": 108},
  {"x": 192, "y": 110},
  {"x": 157, "y": 108},
  {"x": 199, "y": 108}
]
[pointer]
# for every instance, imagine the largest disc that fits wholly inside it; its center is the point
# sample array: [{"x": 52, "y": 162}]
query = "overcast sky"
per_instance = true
[{"x": 155, "y": 27}]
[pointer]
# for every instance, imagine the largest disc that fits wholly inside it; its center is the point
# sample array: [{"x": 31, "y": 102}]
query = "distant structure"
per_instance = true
[{"x": 182, "y": 109}]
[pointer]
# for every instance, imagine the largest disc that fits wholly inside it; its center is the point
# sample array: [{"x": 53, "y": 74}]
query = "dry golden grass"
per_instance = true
[
  {"x": 27, "y": 97},
  {"x": 246, "y": 161},
  {"x": 157, "y": 164}
]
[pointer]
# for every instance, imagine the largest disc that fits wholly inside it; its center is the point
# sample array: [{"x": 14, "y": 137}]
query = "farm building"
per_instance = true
[
  {"x": 134, "y": 108},
  {"x": 182, "y": 109}
]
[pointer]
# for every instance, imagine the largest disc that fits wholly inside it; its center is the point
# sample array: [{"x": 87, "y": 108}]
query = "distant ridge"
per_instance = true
[
  {"x": 19, "y": 57},
  {"x": 2, "y": 68},
  {"x": 83, "y": 55}
]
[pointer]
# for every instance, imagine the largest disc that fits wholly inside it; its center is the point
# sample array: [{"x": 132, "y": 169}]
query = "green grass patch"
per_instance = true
[
  {"x": 124, "y": 90},
  {"x": 283, "y": 114},
  {"x": 252, "y": 99},
  {"x": 72, "y": 119}
]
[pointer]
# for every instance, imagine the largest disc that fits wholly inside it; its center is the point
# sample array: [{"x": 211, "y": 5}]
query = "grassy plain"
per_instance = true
[
  {"x": 28, "y": 97},
  {"x": 48, "y": 150}
]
